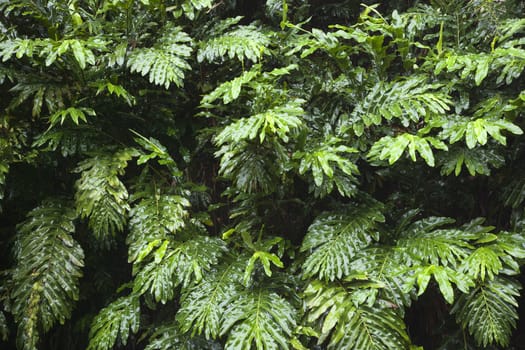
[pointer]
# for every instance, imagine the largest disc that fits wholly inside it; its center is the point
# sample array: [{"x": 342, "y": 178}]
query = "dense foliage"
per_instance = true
[{"x": 200, "y": 174}]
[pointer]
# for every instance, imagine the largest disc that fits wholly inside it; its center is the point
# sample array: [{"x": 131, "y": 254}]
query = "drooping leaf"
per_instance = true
[
  {"x": 101, "y": 196},
  {"x": 45, "y": 281}
]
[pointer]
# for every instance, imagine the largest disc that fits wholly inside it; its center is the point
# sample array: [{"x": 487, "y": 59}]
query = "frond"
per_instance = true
[
  {"x": 76, "y": 114},
  {"x": 165, "y": 62},
  {"x": 381, "y": 265},
  {"x": 114, "y": 322},
  {"x": 478, "y": 160},
  {"x": 69, "y": 141},
  {"x": 476, "y": 131},
  {"x": 82, "y": 51},
  {"x": 168, "y": 337},
  {"x": 445, "y": 247},
  {"x": 345, "y": 184},
  {"x": 248, "y": 42},
  {"x": 47, "y": 93},
  {"x": 507, "y": 60},
  {"x": 153, "y": 220},
  {"x": 114, "y": 89},
  {"x": 335, "y": 238},
  {"x": 252, "y": 168},
  {"x": 344, "y": 318},
  {"x": 324, "y": 158},
  {"x": 499, "y": 253},
  {"x": 444, "y": 276},
  {"x": 204, "y": 304},
  {"x": 370, "y": 329},
  {"x": 392, "y": 148},
  {"x": 230, "y": 90},
  {"x": 46, "y": 278},
  {"x": 258, "y": 317},
  {"x": 190, "y": 7},
  {"x": 101, "y": 196},
  {"x": 409, "y": 100},
  {"x": 155, "y": 151},
  {"x": 489, "y": 311},
  {"x": 177, "y": 263},
  {"x": 277, "y": 121}
]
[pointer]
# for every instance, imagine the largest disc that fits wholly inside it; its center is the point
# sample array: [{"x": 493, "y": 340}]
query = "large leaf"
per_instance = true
[
  {"x": 164, "y": 63},
  {"x": 101, "y": 196},
  {"x": 115, "y": 322},
  {"x": 204, "y": 304},
  {"x": 335, "y": 238},
  {"x": 350, "y": 323},
  {"x": 168, "y": 337},
  {"x": 489, "y": 311},
  {"x": 45, "y": 280},
  {"x": 177, "y": 263},
  {"x": 261, "y": 318}
]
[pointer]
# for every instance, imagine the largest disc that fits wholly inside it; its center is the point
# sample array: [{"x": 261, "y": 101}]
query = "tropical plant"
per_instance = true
[{"x": 199, "y": 174}]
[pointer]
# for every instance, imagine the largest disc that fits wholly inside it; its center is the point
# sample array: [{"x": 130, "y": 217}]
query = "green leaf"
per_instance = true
[
  {"x": 204, "y": 304},
  {"x": 165, "y": 62},
  {"x": 489, "y": 312},
  {"x": 350, "y": 325},
  {"x": 445, "y": 247},
  {"x": 335, "y": 238},
  {"x": 394, "y": 147},
  {"x": 101, "y": 196},
  {"x": 245, "y": 41},
  {"x": 45, "y": 280},
  {"x": 482, "y": 70},
  {"x": 115, "y": 322},
  {"x": 181, "y": 263},
  {"x": 259, "y": 318},
  {"x": 168, "y": 337}
]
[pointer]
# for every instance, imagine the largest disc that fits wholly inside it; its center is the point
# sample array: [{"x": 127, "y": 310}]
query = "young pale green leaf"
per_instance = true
[
  {"x": 153, "y": 220},
  {"x": 230, "y": 90},
  {"x": 444, "y": 277},
  {"x": 73, "y": 113},
  {"x": 324, "y": 159},
  {"x": 266, "y": 259},
  {"x": 394, "y": 147}
]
